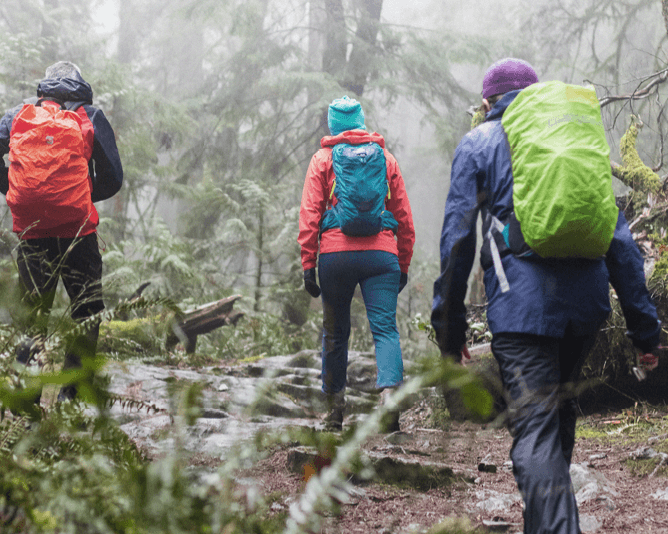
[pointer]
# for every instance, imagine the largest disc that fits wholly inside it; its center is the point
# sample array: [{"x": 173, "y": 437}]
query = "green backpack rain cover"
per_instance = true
[{"x": 562, "y": 181}]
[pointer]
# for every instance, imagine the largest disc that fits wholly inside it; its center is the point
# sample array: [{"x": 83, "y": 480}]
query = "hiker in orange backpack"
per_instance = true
[{"x": 63, "y": 158}]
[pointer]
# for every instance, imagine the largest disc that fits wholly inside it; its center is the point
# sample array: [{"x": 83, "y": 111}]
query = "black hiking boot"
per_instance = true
[
  {"x": 390, "y": 421},
  {"x": 336, "y": 405},
  {"x": 67, "y": 393},
  {"x": 27, "y": 351}
]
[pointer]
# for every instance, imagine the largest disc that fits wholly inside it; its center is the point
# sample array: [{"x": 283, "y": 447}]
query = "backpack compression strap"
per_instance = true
[{"x": 331, "y": 193}]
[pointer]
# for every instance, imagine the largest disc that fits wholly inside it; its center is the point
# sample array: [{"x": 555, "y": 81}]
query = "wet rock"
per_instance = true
[
  {"x": 660, "y": 495},
  {"x": 399, "y": 438},
  {"x": 494, "y": 501},
  {"x": 310, "y": 359},
  {"x": 589, "y": 523},
  {"x": 589, "y": 485},
  {"x": 307, "y": 460},
  {"x": 416, "y": 474}
]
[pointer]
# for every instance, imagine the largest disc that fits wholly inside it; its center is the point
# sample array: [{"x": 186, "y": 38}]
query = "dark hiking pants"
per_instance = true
[
  {"x": 44, "y": 261},
  {"x": 378, "y": 274},
  {"x": 538, "y": 373}
]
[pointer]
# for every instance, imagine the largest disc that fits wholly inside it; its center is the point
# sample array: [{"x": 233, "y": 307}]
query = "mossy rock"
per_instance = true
[
  {"x": 132, "y": 337},
  {"x": 422, "y": 476}
]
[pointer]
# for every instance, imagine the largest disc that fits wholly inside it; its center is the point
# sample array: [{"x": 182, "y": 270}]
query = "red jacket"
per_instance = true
[{"x": 317, "y": 189}]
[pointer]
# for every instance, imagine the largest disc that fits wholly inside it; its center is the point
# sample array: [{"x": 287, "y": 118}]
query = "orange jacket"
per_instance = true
[{"x": 317, "y": 189}]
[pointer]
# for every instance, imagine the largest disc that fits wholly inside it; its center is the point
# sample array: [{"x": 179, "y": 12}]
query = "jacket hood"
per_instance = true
[
  {"x": 66, "y": 90},
  {"x": 353, "y": 137},
  {"x": 500, "y": 107}
]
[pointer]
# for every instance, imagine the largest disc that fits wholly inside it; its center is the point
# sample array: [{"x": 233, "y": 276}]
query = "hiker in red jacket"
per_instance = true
[
  {"x": 63, "y": 157},
  {"x": 378, "y": 262}
]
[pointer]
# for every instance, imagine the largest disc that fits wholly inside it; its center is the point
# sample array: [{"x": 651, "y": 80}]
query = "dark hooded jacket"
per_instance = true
[
  {"x": 105, "y": 169},
  {"x": 543, "y": 296}
]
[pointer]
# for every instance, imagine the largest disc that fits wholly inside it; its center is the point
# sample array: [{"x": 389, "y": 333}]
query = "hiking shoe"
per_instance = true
[
  {"x": 336, "y": 405},
  {"x": 25, "y": 351},
  {"x": 67, "y": 393},
  {"x": 390, "y": 421}
]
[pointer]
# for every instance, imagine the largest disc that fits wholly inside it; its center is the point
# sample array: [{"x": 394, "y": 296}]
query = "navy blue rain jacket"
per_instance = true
[
  {"x": 544, "y": 295},
  {"x": 105, "y": 167}
]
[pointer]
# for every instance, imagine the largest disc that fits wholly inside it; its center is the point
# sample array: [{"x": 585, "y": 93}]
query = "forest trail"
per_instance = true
[{"x": 619, "y": 466}]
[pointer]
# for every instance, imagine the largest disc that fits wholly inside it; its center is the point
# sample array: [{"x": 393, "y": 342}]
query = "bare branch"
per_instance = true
[
  {"x": 659, "y": 123},
  {"x": 639, "y": 94}
]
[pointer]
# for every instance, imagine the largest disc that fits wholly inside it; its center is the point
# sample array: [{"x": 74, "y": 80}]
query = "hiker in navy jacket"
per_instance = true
[
  {"x": 546, "y": 321},
  {"x": 47, "y": 252}
]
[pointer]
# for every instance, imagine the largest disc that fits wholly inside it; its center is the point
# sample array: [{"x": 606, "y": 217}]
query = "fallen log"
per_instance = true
[{"x": 202, "y": 320}]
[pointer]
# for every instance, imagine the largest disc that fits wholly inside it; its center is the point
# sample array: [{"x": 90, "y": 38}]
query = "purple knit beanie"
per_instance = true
[{"x": 506, "y": 75}]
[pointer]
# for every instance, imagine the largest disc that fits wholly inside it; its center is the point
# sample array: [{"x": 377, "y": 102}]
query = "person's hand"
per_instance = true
[
  {"x": 403, "y": 280},
  {"x": 310, "y": 284},
  {"x": 648, "y": 361},
  {"x": 459, "y": 357}
]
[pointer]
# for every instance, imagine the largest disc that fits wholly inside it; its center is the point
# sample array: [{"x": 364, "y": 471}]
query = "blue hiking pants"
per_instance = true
[
  {"x": 538, "y": 373},
  {"x": 377, "y": 272}
]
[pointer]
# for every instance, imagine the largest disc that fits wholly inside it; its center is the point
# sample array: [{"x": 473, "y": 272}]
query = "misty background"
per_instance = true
[{"x": 218, "y": 107}]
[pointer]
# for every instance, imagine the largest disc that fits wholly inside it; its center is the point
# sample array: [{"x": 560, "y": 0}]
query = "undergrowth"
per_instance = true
[{"x": 68, "y": 467}]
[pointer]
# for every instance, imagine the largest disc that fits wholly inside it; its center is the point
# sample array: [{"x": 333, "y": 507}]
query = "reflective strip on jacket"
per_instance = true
[{"x": 543, "y": 295}]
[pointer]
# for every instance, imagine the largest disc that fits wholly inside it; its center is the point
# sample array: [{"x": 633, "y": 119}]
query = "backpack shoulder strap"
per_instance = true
[
  {"x": 50, "y": 99},
  {"x": 74, "y": 106}
]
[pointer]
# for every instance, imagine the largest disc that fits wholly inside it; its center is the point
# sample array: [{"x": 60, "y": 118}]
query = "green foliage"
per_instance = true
[
  {"x": 263, "y": 334},
  {"x": 478, "y": 117},
  {"x": 613, "y": 355},
  {"x": 133, "y": 337},
  {"x": 166, "y": 261},
  {"x": 66, "y": 469},
  {"x": 658, "y": 280},
  {"x": 424, "y": 325}
]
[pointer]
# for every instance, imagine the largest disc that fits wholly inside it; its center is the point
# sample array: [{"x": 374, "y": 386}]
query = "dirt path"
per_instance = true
[{"x": 622, "y": 503}]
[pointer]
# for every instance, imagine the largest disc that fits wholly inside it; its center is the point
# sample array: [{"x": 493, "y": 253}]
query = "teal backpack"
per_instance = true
[
  {"x": 563, "y": 200},
  {"x": 360, "y": 186}
]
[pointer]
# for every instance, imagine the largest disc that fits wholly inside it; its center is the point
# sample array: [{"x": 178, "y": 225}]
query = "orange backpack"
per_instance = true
[{"x": 48, "y": 173}]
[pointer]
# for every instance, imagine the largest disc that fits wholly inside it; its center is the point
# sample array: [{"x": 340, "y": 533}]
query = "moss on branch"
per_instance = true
[{"x": 634, "y": 172}]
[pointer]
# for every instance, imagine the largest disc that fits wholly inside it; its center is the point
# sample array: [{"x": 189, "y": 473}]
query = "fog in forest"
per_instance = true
[{"x": 218, "y": 107}]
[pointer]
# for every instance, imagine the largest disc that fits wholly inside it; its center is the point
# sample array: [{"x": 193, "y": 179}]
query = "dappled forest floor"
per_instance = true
[{"x": 609, "y": 447}]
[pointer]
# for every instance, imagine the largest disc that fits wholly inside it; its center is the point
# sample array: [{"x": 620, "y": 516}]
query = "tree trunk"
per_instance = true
[
  {"x": 351, "y": 73},
  {"x": 362, "y": 53},
  {"x": 50, "y": 33},
  {"x": 334, "y": 56},
  {"x": 260, "y": 262},
  {"x": 316, "y": 43}
]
